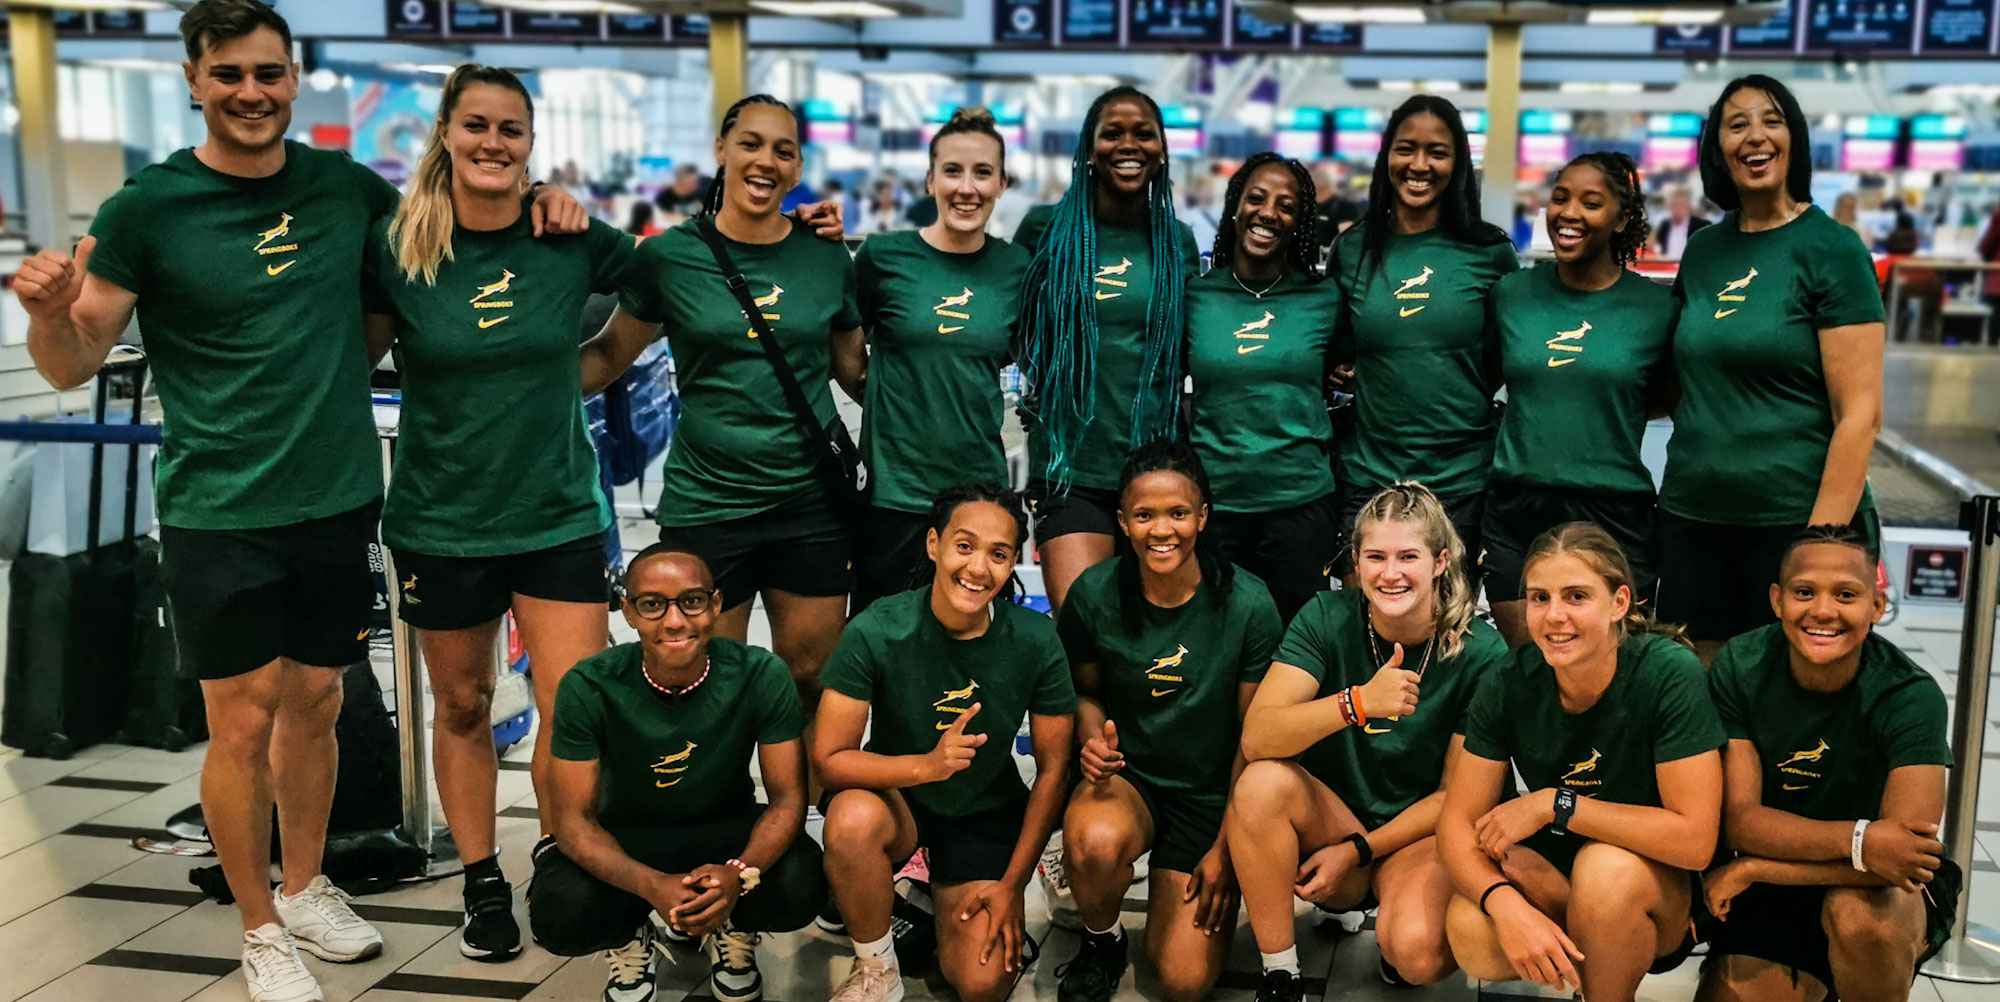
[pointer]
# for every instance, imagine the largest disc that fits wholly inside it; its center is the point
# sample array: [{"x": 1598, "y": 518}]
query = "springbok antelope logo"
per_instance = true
[
  {"x": 1410, "y": 283},
  {"x": 765, "y": 302},
  {"x": 1255, "y": 330},
  {"x": 956, "y": 696},
  {"x": 283, "y": 229},
  {"x": 1163, "y": 670},
  {"x": 1807, "y": 756},
  {"x": 1587, "y": 765},
  {"x": 950, "y": 307},
  {"x": 1556, "y": 344},
  {"x": 1729, "y": 293},
  {"x": 674, "y": 765},
  {"x": 1403, "y": 292},
  {"x": 506, "y": 280},
  {"x": 1104, "y": 277}
]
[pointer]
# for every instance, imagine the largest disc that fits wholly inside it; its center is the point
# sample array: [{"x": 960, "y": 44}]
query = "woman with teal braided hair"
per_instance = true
[{"x": 1100, "y": 329}]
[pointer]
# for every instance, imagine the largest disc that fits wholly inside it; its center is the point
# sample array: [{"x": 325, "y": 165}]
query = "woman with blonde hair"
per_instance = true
[
  {"x": 1348, "y": 740},
  {"x": 1585, "y": 881}
]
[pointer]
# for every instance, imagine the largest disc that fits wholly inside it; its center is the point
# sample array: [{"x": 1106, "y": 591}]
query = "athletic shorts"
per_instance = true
[
  {"x": 458, "y": 593},
  {"x": 1466, "y": 512},
  {"x": 1081, "y": 509},
  {"x": 802, "y": 547},
  {"x": 1716, "y": 579},
  {"x": 1517, "y": 513},
  {"x": 242, "y": 598},
  {"x": 1561, "y": 850},
  {"x": 1185, "y": 826},
  {"x": 1782, "y": 925},
  {"x": 888, "y": 554},
  {"x": 1292, "y": 549},
  {"x": 972, "y": 847}
]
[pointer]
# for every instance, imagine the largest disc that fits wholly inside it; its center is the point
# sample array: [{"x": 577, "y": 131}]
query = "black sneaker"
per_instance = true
[
  {"x": 1392, "y": 977},
  {"x": 1093, "y": 974},
  {"x": 915, "y": 935},
  {"x": 490, "y": 932},
  {"x": 829, "y": 920},
  {"x": 1281, "y": 986}
]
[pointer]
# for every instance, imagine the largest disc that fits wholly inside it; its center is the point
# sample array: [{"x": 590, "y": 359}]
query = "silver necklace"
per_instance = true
[{"x": 1254, "y": 292}]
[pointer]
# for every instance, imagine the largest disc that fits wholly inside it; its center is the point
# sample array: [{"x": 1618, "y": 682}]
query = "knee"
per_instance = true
[
  {"x": 314, "y": 702},
  {"x": 1095, "y": 840},
  {"x": 796, "y": 884},
  {"x": 857, "y": 823},
  {"x": 1608, "y": 882},
  {"x": 242, "y": 730},
  {"x": 559, "y": 909},
  {"x": 1862, "y": 920},
  {"x": 1415, "y": 947},
  {"x": 464, "y": 710},
  {"x": 1184, "y": 978},
  {"x": 1264, "y": 790},
  {"x": 1474, "y": 946},
  {"x": 976, "y": 982}
]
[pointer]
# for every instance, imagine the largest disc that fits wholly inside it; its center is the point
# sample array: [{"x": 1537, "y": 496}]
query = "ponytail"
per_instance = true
[
  {"x": 972, "y": 121},
  {"x": 1598, "y": 551},
  {"x": 1412, "y": 502},
  {"x": 421, "y": 229}
]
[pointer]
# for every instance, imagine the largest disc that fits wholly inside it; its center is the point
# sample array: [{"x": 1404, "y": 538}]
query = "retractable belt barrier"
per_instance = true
[{"x": 1973, "y": 952}]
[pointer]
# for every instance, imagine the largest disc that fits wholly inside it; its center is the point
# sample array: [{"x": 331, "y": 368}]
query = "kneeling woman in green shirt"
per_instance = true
[
  {"x": 745, "y": 487},
  {"x": 494, "y": 504},
  {"x": 940, "y": 677},
  {"x": 1835, "y": 784},
  {"x": 1585, "y": 347},
  {"x": 1166, "y": 643},
  {"x": 1348, "y": 742},
  {"x": 1586, "y": 881},
  {"x": 1259, "y": 326}
]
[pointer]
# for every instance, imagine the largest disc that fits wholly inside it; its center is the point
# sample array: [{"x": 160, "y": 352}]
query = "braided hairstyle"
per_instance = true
[
  {"x": 1837, "y": 534},
  {"x": 713, "y": 204},
  {"x": 1163, "y": 456},
  {"x": 1302, "y": 249},
  {"x": 947, "y": 504},
  {"x": 1412, "y": 502},
  {"x": 1621, "y": 175},
  {"x": 1058, "y": 320},
  {"x": 1458, "y": 204}
]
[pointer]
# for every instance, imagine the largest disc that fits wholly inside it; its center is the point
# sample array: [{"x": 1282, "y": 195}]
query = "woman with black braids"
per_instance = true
[
  {"x": 742, "y": 491},
  {"x": 1100, "y": 329},
  {"x": 1413, "y": 277},
  {"x": 1585, "y": 344},
  {"x": 1259, "y": 326}
]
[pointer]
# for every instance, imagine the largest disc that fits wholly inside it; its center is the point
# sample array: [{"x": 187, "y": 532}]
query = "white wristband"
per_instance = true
[{"x": 1859, "y": 827}]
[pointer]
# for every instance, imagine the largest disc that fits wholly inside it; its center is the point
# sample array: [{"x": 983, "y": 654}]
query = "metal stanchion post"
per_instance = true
[
  {"x": 413, "y": 748},
  {"x": 1973, "y": 952}
]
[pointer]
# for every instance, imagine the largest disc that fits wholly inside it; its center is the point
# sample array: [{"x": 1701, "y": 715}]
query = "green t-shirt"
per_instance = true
[
  {"x": 250, "y": 304},
  {"x": 1577, "y": 367},
  {"x": 1827, "y": 755},
  {"x": 738, "y": 449},
  {"x": 1169, "y": 677},
  {"x": 940, "y": 328},
  {"x": 493, "y": 455},
  {"x": 1417, "y": 322},
  {"x": 918, "y": 679},
  {"x": 1656, "y": 711},
  {"x": 662, "y": 761},
  {"x": 1258, "y": 364},
  {"x": 1380, "y": 769},
  {"x": 1747, "y": 351},
  {"x": 1123, "y": 286}
]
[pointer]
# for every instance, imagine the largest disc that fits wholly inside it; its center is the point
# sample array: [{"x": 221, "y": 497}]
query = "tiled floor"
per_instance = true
[{"x": 85, "y": 917}]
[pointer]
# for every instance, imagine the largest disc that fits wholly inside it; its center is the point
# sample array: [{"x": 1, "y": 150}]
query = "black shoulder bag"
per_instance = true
[{"x": 839, "y": 461}]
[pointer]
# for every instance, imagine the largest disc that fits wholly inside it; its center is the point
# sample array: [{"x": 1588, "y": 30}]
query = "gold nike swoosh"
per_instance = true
[
  {"x": 1719, "y": 314},
  {"x": 1410, "y": 311},
  {"x": 1560, "y": 361},
  {"x": 363, "y": 635},
  {"x": 1245, "y": 349},
  {"x": 943, "y": 726},
  {"x": 1365, "y": 729},
  {"x": 1789, "y": 786},
  {"x": 1108, "y": 295},
  {"x": 274, "y": 270},
  {"x": 942, "y": 329},
  {"x": 1164, "y": 692},
  {"x": 485, "y": 322}
]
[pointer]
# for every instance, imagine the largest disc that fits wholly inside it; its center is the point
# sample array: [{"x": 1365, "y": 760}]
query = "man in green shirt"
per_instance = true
[
  {"x": 1828, "y": 724},
  {"x": 654, "y": 808},
  {"x": 242, "y": 258}
]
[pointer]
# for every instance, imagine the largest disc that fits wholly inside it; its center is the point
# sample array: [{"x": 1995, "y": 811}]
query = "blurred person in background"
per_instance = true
[
  {"x": 1670, "y": 235},
  {"x": 1846, "y": 212},
  {"x": 1989, "y": 252}
]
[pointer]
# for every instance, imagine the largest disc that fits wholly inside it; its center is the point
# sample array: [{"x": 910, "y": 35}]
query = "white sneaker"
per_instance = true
[
  {"x": 872, "y": 980},
  {"x": 732, "y": 964},
  {"x": 631, "y": 976},
  {"x": 1055, "y": 884},
  {"x": 273, "y": 969},
  {"x": 324, "y": 924}
]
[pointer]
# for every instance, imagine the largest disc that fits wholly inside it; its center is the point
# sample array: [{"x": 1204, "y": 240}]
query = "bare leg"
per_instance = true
[
  {"x": 236, "y": 784},
  {"x": 1414, "y": 890},
  {"x": 867, "y": 832},
  {"x": 305, "y": 758},
  {"x": 460, "y": 665},
  {"x": 557, "y": 636},
  {"x": 1512, "y": 619},
  {"x": 1748, "y": 979},
  {"x": 1278, "y": 814},
  {"x": 1104, "y": 830},
  {"x": 1874, "y": 936},
  {"x": 1624, "y": 911},
  {"x": 1067, "y": 556},
  {"x": 1475, "y": 944},
  {"x": 1188, "y": 959},
  {"x": 961, "y": 943}
]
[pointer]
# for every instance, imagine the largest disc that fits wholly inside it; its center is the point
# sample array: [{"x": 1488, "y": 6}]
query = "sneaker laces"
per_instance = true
[
  {"x": 330, "y": 903},
  {"x": 268, "y": 954},
  {"x": 631, "y": 962},
  {"x": 736, "y": 949},
  {"x": 1052, "y": 869},
  {"x": 871, "y": 979},
  {"x": 487, "y": 897}
]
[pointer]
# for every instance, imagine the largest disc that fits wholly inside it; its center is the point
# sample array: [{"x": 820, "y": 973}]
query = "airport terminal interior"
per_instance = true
[{"x": 97, "y": 842}]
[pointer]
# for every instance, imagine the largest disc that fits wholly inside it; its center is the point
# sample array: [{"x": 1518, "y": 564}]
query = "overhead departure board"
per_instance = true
[
  {"x": 1247, "y": 31},
  {"x": 475, "y": 20},
  {"x": 1957, "y": 27},
  {"x": 1779, "y": 34},
  {"x": 1023, "y": 22},
  {"x": 1173, "y": 23},
  {"x": 1090, "y": 22},
  {"x": 1860, "y": 26}
]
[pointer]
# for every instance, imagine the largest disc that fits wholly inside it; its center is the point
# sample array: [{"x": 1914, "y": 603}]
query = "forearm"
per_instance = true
[
  {"x": 1045, "y": 807},
  {"x": 599, "y": 368},
  {"x": 1653, "y": 832},
  {"x": 588, "y": 845},
  {"x": 855, "y": 769},
  {"x": 1769, "y": 833},
  {"x": 1471, "y": 870},
  {"x": 62, "y": 352},
  {"x": 773, "y": 834},
  {"x": 1792, "y": 873},
  {"x": 1846, "y": 473},
  {"x": 1416, "y": 822},
  {"x": 1287, "y": 731}
]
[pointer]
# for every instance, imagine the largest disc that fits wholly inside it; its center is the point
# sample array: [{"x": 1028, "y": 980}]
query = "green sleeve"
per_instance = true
[
  {"x": 578, "y": 732},
  {"x": 849, "y": 315},
  {"x": 1486, "y": 719},
  {"x": 123, "y": 245},
  {"x": 1685, "y": 723},
  {"x": 1028, "y": 236},
  {"x": 1725, "y": 689},
  {"x": 781, "y": 718},
  {"x": 382, "y": 196},
  {"x": 1076, "y": 628},
  {"x": 1481, "y": 660},
  {"x": 867, "y": 286},
  {"x": 1912, "y": 724},
  {"x": 1263, "y": 630},
  {"x": 642, "y": 296},
  {"x": 1308, "y": 643},
  {"x": 850, "y": 670},
  {"x": 1055, "y": 693},
  {"x": 1190, "y": 252},
  {"x": 611, "y": 251},
  {"x": 378, "y": 269},
  {"x": 1340, "y": 349},
  {"x": 1840, "y": 283}
]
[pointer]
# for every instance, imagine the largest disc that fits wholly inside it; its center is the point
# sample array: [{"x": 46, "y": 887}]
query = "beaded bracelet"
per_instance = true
[{"x": 749, "y": 875}]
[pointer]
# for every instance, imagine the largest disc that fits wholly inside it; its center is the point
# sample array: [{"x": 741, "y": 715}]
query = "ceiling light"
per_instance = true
[
  {"x": 117, "y": 5},
  {"x": 1632, "y": 16},
  {"x": 834, "y": 9},
  {"x": 1358, "y": 15},
  {"x": 568, "y": 6}
]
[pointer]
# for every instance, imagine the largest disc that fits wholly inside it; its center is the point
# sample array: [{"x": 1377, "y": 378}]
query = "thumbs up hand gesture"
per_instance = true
[{"x": 1101, "y": 759}]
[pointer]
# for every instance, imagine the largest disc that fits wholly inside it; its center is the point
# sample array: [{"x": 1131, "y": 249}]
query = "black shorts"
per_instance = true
[
  {"x": 1184, "y": 826},
  {"x": 1782, "y": 925},
  {"x": 1517, "y": 513},
  {"x": 1081, "y": 509},
  {"x": 1292, "y": 550},
  {"x": 974, "y": 847},
  {"x": 458, "y": 593},
  {"x": 1716, "y": 579},
  {"x": 888, "y": 554},
  {"x": 802, "y": 547},
  {"x": 1466, "y": 511},
  {"x": 243, "y": 598}
]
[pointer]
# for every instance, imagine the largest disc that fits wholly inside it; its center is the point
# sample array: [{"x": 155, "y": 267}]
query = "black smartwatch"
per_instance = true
[
  {"x": 1362, "y": 849},
  {"x": 1565, "y": 809}
]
